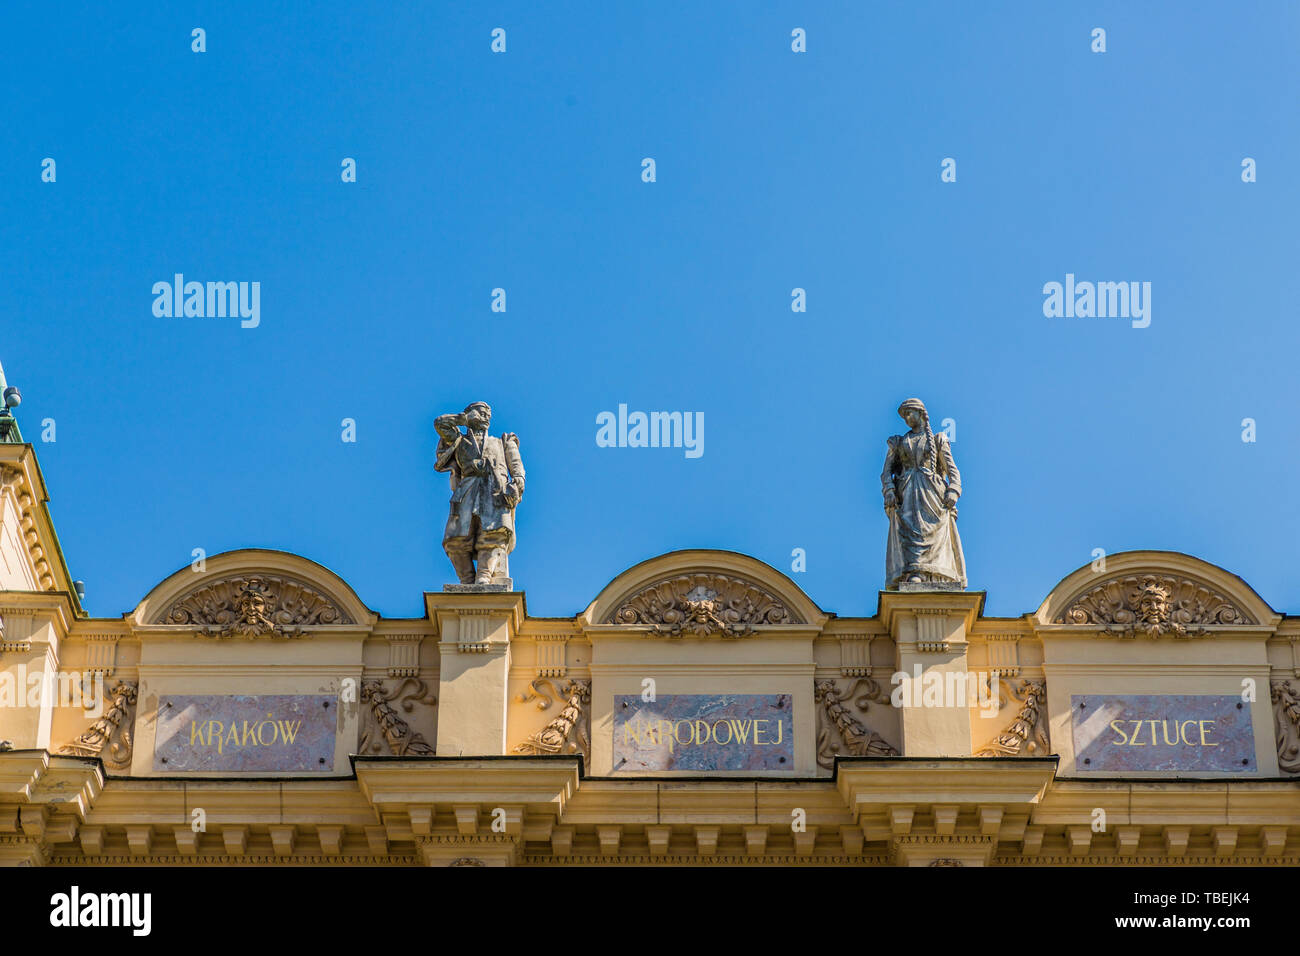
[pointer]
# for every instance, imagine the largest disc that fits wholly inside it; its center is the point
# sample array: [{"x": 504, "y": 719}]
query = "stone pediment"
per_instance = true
[
  {"x": 1154, "y": 594},
  {"x": 254, "y": 605},
  {"x": 702, "y": 593},
  {"x": 703, "y": 602},
  {"x": 1153, "y": 604}
]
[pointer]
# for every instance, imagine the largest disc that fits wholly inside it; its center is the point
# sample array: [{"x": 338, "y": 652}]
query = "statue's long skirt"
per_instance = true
[{"x": 923, "y": 535}]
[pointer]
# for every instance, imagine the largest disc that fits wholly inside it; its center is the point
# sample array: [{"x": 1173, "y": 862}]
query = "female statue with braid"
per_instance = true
[{"x": 921, "y": 485}]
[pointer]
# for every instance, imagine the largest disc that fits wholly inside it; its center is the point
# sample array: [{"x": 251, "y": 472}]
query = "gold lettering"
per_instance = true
[
  {"x": 1137, "y": 728},
  {"x": 248, "y": 732},
  {"x": 1204, "y": 742},
  {"x": 1182, "y": 732},
  {"x": 757, "y": 742},
  {"x": 701, "y": 735},
  {"x": 196, "y": 732},
  {"x": 740, "y": 730},
  {"x": 677, "y": 732},
  {"x": 1164, "y": 729},
  {"x": 630, "y": 734},
  {"x": 666, "y": 734},
  {"x": 730, "y": 731},
  {"x": 233, "y": 735},
  {"x": 215, "y": 737},
  {"x": 780, "y": 732},
  {"x": 289, "y": 730},
  {"x": 1122, "y": 738},
  {"x": 266, "y": 743},
  {"x": 1153, "y": 732}
]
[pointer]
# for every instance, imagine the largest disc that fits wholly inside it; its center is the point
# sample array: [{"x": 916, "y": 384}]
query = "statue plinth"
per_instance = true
[
  {"x": 929, "y": 586},
  {"x": 497, "y": 586}
]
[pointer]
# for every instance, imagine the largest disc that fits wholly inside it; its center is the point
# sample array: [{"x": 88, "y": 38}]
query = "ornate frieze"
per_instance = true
[
  {"x": 703, "y": 603},
  {"x": 840, "y": 731},
  {"x": 551, "y": 655},
  {"x": 567, "y": 731},
  {"x": 255, "y": 605},
  {"x": 1026, "y": 736},
  {"x": 111, "y": 731},
  {"x": 384, "y": 726},
  {"x": 101, "y": 653},
  {"x": 1286, "y": 713},
  {"x": 403, "y": 655},
  {"x": 1153, "y": 605}
]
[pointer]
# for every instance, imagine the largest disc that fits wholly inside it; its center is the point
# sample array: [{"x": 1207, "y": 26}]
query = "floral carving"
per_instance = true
[
  {"x": 112, "y": 730},
  {"x": 255, "y": 606},
  {"x": 841, "y": 732},
  {"x": 1027, "y": 734},
  {"x": 703, "y": 603},
  {"x": 1153, "y": 606},
  {"x": 1286, "y": 712},
  {"x": 566, "y": 733},
  {"x": 385, "y": 722}
]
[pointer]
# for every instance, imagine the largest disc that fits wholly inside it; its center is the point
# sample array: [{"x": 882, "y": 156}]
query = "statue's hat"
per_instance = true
[
  {"x": 912, "y": 403},
  {"x": 483, "y": 405}
]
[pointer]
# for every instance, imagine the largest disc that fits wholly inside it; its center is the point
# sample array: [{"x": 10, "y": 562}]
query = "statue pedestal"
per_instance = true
[
  {"x": 495, "y": 587},
  {"x": 930, "y": 633},
  {"x": 475, "y": 624}
]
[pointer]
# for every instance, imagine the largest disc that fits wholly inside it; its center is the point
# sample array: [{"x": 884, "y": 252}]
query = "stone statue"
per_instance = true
[
  {"x": 921, "y": 485},
  {"x": 487, "y": 482}
]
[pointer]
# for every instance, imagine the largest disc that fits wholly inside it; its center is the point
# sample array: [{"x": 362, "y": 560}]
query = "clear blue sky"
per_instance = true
[{"x": 775, "y": 170}]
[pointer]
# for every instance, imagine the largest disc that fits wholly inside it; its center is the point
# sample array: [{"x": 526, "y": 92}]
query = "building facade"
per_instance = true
[{"x": 700, "y": 710}]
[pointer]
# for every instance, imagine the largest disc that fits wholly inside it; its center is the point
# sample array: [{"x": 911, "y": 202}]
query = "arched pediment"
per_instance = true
[
  {"x": 702, "y": 592},
  {"x": 1154, "y": 592},
  {"x": 254, "y": 590}
]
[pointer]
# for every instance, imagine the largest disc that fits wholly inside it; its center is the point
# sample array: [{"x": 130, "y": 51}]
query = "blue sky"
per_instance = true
[{"x": 775, "y": 170}]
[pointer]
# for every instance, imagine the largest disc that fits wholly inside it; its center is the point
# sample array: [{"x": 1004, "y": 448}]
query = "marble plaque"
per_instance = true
[
  {"x": 268, "y": 732},
  {"x": 704, "y": 732},
  {"x": 1167, "y": 733}
]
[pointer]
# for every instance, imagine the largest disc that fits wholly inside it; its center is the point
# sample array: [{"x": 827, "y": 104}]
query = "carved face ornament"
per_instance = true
[{"x": 1153, "y": 603}]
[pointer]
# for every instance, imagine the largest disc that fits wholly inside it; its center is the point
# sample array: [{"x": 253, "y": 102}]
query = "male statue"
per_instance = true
[{"x": 487, "y": 481}]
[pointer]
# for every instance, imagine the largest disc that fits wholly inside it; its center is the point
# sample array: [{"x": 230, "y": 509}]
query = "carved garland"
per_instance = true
[
  {"x": 854, "y": 738},
  {"x": 558, "y": 737},
  {"x": 703, "y": 603},
  {"x": 1153, "y": 605},
  {"x": 1286, "y": 712},
  {"x": 385, "y": 722},
  {"x": 113, "y": 730},
  {"x": 254, "y": 606},
  {"x": 1027, "y": 734}
]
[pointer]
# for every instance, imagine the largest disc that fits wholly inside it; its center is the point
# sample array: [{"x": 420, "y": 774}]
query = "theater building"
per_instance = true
[{"x": 252, "y": 709}]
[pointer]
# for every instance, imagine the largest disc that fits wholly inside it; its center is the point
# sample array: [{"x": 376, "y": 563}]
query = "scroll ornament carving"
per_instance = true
[
  {"x": 566, "y": 733},
  {"x": 1286, "y": 712},
  {"x": 1153, "y": 606},
  {"x": 386, "y": 724},
  {"x": 255, "y": 606},
  {"x": 1027, "y": 734},
  {"x": 842, "y": 732},
  {"x": 112, "y": 730},
  {"x": 703, "y": 603}
]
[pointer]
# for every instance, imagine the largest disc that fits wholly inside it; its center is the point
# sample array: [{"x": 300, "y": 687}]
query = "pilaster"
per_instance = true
[
  {"x": 474, "y": 634},
  {"x": 930, "y": 630}
]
